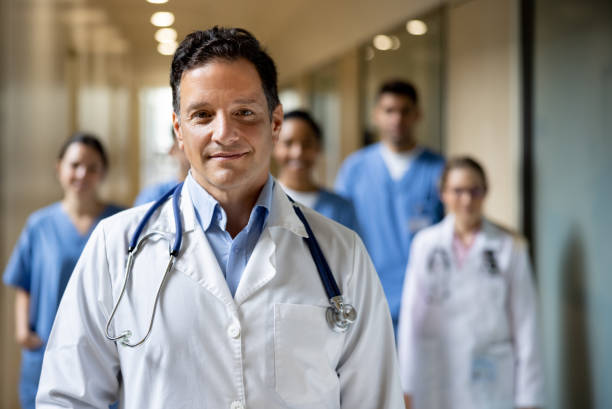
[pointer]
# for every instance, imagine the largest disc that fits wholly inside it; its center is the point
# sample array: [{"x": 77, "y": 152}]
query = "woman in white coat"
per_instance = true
[{"x": 468, "y": 332}]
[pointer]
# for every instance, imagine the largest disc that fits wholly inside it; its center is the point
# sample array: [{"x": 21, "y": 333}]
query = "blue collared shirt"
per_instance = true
[{"x": 232, "y": 254}]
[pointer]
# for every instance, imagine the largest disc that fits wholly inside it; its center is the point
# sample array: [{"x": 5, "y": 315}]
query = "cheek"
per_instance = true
[
  {"x": 310, "y": 155},
  {"x": 279, "y": 153}
]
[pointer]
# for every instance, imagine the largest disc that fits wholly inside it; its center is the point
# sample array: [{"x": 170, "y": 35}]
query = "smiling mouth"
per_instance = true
[{"x": 227, "y": 155}]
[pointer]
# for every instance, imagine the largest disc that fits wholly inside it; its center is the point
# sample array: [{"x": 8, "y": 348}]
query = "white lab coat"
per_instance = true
[
  {"x": 269, "y": 347},
  {"x": 468, "y": 337}
]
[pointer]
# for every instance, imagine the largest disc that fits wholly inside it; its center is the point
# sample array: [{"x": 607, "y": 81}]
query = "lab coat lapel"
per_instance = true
[
  {"x": 448, "y": 232},
  {"x": 261, "y": 267},
  {"x": 196, "y": 258},
  {"x": 487, "y": 239}
]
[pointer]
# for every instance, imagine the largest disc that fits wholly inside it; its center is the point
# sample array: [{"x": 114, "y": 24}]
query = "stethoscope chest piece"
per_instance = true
[{"x": 340, "y": 316}]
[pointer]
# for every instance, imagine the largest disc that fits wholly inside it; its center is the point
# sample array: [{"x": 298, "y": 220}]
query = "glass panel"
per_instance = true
[{"x": 573, "y": 192}]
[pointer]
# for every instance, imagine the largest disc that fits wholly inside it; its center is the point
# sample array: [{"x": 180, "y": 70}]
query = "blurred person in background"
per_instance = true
[
  {"x": 468, "y": 330},
  {"x": 48, "y": 249},
  {"x": 154, "y": 192},
  {"x": 296, "y": 153},
  {"x": 393, "y": 186}
]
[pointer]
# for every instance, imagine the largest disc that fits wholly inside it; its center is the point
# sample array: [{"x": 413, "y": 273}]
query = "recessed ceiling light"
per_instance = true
[
  {"x": 162, "y": 19},
  {"x": 416, "y": 27},
  {"x": 166, "y": 48},
  {"x": 382, "y": 42},
  {"x": 166, "y": 35},
  {"x": 395, "y": 43},
  {"x": 157, "y": 1},
  {"x": 369, "y": 53}
]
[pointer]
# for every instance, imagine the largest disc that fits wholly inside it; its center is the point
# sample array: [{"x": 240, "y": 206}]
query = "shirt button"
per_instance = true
[
  {"x": 236, "y": 405},
  {"x": 234, "y": 332}
]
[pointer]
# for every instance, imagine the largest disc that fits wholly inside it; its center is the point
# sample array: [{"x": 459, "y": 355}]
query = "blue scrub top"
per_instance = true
[
  {"x": 390, "y": 212},
  {"x": 154, "y": 192},
  {"x": 337, "y": 208},
  {"x": 41, "y": 264}
]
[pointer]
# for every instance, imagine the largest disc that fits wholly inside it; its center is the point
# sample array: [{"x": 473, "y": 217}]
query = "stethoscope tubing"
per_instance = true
[{"x": 339, "y": 315}]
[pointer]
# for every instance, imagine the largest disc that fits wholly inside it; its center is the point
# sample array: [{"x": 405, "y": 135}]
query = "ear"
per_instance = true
[
  {"x": 419, "y": 113},
  {"x": 176, "y": 126},
  {"x": 277, "y": 122}
]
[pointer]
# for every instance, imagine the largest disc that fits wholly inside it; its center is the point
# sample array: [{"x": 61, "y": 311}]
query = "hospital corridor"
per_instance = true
[{"x": 306, "y": 204}]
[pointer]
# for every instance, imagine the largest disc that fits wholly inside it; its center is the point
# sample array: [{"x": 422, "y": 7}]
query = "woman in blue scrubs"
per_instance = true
[
  {"x": 295, "y": 153},
  {"x": 48, "y": 249}
]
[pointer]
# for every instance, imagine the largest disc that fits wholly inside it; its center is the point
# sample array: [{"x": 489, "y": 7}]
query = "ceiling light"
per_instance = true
[
  {"x": 382, "y": 42},
  {"x": 395, "y": 43},
  {"x": 166, "y": 48},
  {"x": 416, "y": 27},
  {"x": 162, "y": 19},
  {"x": 165, "y": 35},
  {"x": 157, "y": 1}
]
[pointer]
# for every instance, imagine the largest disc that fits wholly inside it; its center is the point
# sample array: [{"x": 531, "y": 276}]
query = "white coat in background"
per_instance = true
[
  {"x": 269, "y": 347},
  {"x": 468, "y": 336}
]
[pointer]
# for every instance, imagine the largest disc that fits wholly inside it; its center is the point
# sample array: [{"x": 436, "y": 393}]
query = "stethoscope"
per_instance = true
[
  {"x": 439, "y": 268},
  {"x": 439, "y": 257},
  {"x": 339, "y": 315}
]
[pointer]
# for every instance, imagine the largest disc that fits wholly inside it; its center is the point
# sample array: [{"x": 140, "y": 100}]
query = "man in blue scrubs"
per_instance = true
[{"x": 394, "y": 187}]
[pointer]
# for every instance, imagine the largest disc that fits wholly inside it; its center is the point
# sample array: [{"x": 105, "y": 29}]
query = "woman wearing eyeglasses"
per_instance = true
[{"x": 468, "y": 328}]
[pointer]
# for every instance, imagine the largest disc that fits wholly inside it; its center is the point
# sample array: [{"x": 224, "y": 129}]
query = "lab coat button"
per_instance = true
[
  {"x": 236, "y": 405},
  {"x": 234, "y": 332}
]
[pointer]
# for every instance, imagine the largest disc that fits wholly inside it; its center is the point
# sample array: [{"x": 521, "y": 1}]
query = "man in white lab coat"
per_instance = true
[{"x": 241, "y": 318}]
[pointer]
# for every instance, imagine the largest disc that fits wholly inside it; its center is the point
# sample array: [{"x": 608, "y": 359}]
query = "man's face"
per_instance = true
[
  {"x": 225, "y": 127},
  {"x": 395, "y": 117}
]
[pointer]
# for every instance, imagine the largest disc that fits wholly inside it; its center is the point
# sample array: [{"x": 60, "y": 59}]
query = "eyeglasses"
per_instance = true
[{"x": 474, "y": 192}]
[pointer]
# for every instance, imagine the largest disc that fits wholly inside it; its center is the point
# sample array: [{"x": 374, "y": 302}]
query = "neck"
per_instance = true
[
  {"x": 400, "y": 147},
  {"x": 466, "y": 230},
  {"x": 183, "y": 172},
  {"x": 299, "y": 183},
  {"x": 82, "y": 205},
  {"x": 237, "y": 204}
]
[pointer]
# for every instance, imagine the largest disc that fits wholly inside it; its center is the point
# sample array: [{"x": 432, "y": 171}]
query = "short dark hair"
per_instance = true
[
  {"x": 399, "y": 87},
  {"x": 306, "y": 117},
  {"x": 201, "y": 47},
  {"x": 86, "y": 139},
  {"x": 463, "y": 162}
]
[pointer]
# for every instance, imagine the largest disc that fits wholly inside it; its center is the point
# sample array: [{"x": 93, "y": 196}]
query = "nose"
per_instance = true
[
  {"x": 222, "y": 129},
  {"x": 295, "y": 152},
  {"x": 81, "y": 171}
]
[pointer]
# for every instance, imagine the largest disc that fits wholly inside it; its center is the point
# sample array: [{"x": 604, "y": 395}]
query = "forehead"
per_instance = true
[
  {"x": 297, "y": 127},
  {"x": 463, "y": 176},
  {"x": 230, "y": 77},
  {"x": 77, "y": 150},
  {"x": 389, "y": 99}
]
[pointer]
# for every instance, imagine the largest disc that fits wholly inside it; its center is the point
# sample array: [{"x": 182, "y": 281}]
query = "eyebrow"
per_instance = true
[
  {"x": 198, "y": 105},
  {"x": 246, "y": 101}
]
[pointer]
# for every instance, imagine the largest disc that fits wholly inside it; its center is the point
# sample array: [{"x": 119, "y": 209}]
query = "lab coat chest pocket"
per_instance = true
[{"x": 306, "y": 353}]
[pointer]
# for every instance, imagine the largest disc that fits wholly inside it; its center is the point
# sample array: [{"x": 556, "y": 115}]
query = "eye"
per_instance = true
[
  {"x": 245, "y": 112},
  {"x": 93, "y": 168},
  {"x": 201, "y": 115}
]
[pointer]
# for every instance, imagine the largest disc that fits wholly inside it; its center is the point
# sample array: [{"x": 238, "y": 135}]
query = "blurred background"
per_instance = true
[{"x": 525, "y": 86}]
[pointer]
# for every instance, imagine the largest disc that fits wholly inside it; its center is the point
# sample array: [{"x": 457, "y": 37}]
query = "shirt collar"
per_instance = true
[{"x": 209, "y": 211}]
